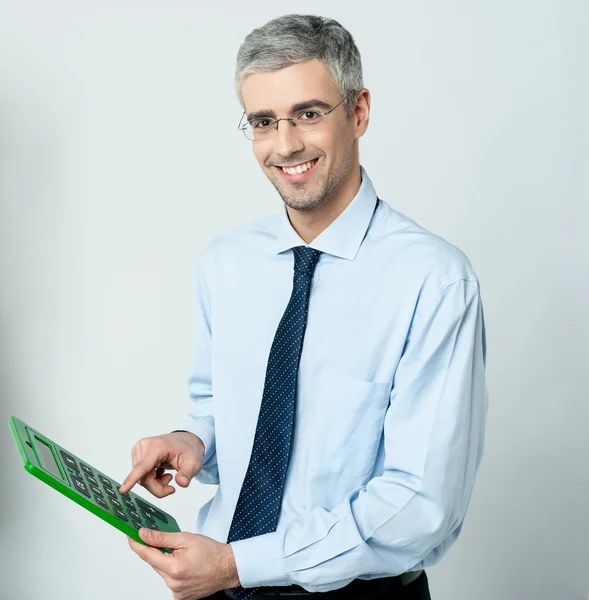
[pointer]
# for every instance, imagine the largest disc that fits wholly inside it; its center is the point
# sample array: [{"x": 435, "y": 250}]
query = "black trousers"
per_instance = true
[{"x": 416, "y": 590}]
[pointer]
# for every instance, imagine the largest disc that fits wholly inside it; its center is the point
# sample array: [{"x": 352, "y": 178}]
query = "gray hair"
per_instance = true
[{"x": 292, "y": 39}]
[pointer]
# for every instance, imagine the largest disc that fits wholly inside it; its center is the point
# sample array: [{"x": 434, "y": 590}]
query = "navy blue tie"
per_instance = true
[{"x": 260, "y": 499}]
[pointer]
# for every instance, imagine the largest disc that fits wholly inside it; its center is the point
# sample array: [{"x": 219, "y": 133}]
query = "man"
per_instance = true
[{"x": 345, "y": 465}]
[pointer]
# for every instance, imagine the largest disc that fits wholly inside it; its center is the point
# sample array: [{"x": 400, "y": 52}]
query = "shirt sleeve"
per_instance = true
[
  {"x": 434, "y": 432},
  {"x": 200, "y": 418}
]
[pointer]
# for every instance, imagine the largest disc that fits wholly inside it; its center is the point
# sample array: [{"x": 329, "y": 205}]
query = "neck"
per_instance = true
[{"x": 310, "y": 223}]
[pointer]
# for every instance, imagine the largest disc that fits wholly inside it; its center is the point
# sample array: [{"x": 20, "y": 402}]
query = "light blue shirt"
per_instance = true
[{"x": 391, "y": 393}]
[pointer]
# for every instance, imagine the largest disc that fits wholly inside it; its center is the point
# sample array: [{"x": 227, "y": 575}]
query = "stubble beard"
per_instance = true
[{"x": 297, "y": 196}]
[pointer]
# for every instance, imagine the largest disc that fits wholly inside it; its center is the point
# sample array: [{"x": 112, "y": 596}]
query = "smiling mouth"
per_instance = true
[
  {"x": 298, "y": 172},
  {"x": 300, "y": 168}
]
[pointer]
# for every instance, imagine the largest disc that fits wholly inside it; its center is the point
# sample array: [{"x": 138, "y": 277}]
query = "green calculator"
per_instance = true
[{"x": 86, "y": 485}]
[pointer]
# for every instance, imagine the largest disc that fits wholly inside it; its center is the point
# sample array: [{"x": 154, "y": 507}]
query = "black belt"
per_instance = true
[{"x": 356, "y": 588}]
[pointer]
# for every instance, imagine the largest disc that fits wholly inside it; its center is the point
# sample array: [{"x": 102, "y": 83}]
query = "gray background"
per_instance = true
[{"x": 120, "y": 160}]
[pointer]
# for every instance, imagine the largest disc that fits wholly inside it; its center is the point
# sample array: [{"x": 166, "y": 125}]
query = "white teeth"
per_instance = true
[{"x": 299, "y": 169}]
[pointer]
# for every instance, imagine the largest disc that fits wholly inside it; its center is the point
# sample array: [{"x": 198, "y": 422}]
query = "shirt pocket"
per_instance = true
[{"x": 346, "y": 431}]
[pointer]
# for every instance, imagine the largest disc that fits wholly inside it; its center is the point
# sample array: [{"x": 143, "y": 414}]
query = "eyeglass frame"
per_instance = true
[{"x": 274, "y": 122}]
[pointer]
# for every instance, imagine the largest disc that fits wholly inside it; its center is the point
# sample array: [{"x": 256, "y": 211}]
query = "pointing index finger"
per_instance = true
[{"x": 137, "y": 472}]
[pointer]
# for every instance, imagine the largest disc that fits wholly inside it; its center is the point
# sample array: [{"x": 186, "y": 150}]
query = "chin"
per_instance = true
[{"x": 305, "y": 203}]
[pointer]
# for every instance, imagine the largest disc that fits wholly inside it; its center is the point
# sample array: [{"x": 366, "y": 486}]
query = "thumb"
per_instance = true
[
  {"x": 186, "y": 471},
  {"x": 161, "y": 539},
  {"x": 183, "y": 478}
]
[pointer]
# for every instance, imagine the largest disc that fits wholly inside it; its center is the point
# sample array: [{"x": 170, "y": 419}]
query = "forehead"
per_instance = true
[{"x": 279, "y": 90}]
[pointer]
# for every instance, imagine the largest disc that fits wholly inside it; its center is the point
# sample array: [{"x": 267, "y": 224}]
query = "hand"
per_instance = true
[
  {"x": 182, "y": 451},
  {"x": 198, "y": 567}
]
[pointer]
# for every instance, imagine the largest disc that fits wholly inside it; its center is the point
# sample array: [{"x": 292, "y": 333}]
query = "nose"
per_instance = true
[{"x": 287, "y": 138}]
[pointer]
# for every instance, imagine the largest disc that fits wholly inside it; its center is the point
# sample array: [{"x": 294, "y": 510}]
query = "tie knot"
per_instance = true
[{"x": 305, "y": 259}]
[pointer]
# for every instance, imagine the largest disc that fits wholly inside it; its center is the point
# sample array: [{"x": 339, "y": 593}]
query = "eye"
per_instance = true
[
  {"x": 261, "y": 124},
  {"x": 309, "y": 115}
]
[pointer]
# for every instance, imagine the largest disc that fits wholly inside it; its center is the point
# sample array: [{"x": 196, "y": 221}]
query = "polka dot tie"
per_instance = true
[{"x": 260, "y": 499}]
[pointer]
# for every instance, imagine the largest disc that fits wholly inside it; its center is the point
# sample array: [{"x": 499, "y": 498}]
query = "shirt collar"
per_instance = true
[{"x": 344, "y": 235}]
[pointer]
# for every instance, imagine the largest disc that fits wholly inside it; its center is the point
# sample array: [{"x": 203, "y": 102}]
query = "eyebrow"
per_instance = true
[{"x": 314, "y": 103}]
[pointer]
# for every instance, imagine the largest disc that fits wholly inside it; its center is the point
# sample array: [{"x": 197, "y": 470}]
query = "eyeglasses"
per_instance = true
[{"x": 264, "y": 127}]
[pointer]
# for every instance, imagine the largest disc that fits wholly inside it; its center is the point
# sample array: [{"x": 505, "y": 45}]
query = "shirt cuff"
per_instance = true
[
  {"x": 204, "y": 431},
  {"x": 259, "y": 560}
]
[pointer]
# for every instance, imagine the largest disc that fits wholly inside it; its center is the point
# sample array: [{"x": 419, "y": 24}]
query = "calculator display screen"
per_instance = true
[{"x": 47, "y": 457}]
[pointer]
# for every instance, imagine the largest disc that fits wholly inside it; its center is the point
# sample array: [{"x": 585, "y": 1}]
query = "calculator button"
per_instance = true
[
  {"x": 126, "y": 496},
  {"x": 148, "y": 516},
  {"x": 116, "y": 503},
  {"x": 105, "y": 481},
  {"x": 153, "y": 526},
  {"x": 97, "y": 491},
  {"x": 69, "y": 460},
  {"x": 100, "y": 500},
  {"x": 154, "y": 511},
  {"x": 110, "y": 492},
  {"x": 128, "y": 503},
  {"x": 87, "y": 469},
  {"x": 91, "y": 479},
  {"x": 121, "y": 514},
  {"x": 135, "y": 515},
  {"x": 80, "y": 485},
  {"x": 137, "y": 525}
]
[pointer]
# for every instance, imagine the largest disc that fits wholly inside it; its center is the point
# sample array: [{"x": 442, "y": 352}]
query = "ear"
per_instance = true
[{"x": 361, "y": 114}]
